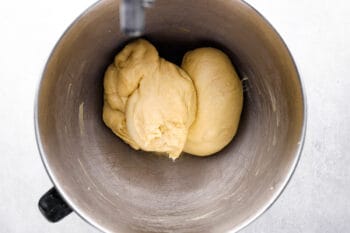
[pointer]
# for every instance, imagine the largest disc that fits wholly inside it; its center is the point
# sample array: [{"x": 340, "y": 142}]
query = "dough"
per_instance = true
[
  {"x": 154, "y": 105},
  {"x": 149, "y": 102},
  {"x": 220, "y": 100}
]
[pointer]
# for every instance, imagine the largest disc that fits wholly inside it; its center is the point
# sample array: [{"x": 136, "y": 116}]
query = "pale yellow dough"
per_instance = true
[
  {"x": 156, "y": 106},
  {"x": 220, "y": 100},
  {"x": 148, "y": 102}
]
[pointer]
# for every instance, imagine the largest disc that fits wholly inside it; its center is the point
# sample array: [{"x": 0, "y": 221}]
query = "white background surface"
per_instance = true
[{"x": 318, "y": 34}]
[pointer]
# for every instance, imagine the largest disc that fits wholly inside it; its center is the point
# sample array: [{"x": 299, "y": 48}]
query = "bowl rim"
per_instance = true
[{"x": 271, "y": 200}]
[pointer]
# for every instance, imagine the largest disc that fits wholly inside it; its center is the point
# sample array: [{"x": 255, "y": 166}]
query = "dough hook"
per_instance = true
[{"x": 132, "y": 16}]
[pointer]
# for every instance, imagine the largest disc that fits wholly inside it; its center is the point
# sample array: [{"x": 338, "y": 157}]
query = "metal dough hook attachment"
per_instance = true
[{"x": 132, "y": 16}]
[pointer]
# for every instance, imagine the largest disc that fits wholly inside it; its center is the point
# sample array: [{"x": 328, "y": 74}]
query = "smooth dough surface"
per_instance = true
[
  {"x": 148, "y": 102},
  {"x": 220, "y": 100}
]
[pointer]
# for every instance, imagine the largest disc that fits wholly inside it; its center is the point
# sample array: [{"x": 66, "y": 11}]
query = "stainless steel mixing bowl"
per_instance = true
[{"x": 118, "y": 189}]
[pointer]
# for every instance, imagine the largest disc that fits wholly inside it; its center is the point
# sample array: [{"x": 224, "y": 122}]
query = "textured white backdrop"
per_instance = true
[{"x": 318, "y": 34}]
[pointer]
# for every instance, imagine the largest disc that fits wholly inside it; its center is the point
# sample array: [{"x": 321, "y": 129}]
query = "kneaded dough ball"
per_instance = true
[
  {"x": 220, "y": 100},
  {"x": 148, "y": 102}
]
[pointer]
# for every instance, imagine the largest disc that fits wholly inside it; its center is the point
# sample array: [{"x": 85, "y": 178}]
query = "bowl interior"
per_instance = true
[{"x": 119, "y": 189}]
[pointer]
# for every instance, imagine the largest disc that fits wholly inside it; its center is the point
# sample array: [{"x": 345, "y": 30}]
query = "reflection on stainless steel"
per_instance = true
[
  {"x": 118, "y": 189},
  {"x": 132, "y": 16}
]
